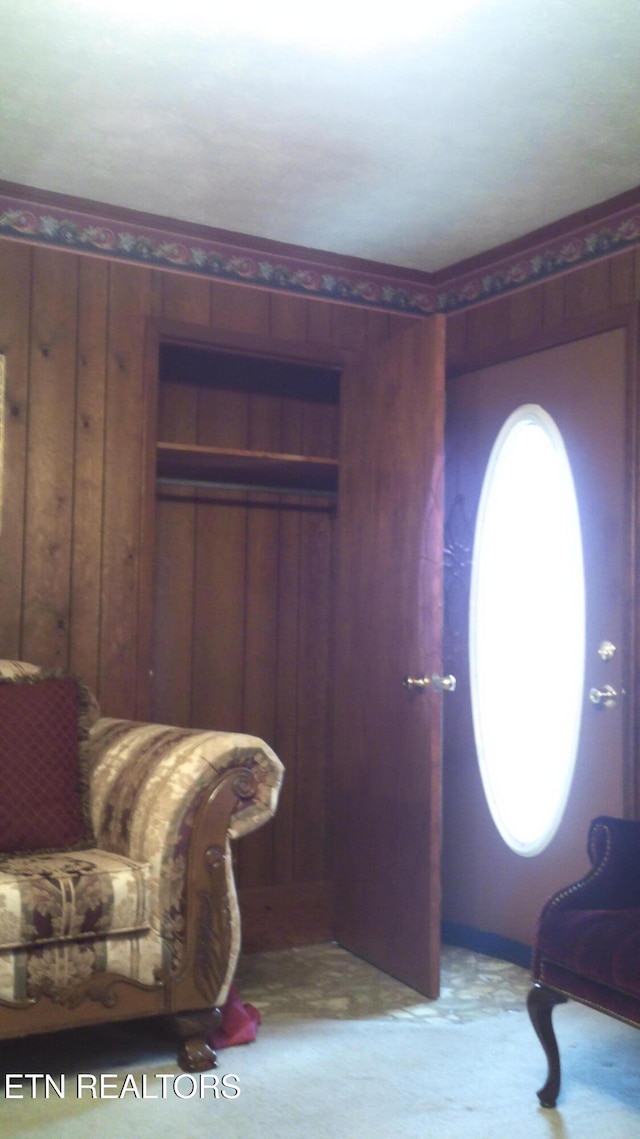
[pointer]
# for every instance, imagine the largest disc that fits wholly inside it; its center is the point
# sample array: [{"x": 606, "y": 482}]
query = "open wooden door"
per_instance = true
[{"x": 386, "y": 780}]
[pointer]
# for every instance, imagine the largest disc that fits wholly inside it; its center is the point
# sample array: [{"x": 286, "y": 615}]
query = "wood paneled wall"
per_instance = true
[
  {"x": 72, "y": 590},
  {"x": 580, "y": 302},
  {"x": 73, "y": 332},
  {"x": 72, "y": 329}
]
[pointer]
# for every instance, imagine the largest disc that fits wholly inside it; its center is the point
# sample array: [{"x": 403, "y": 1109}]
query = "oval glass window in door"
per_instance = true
[{"x": 527, "y": 630}]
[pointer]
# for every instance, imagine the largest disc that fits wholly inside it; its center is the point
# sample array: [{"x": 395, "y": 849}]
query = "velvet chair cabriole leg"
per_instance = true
[
  {"x": 540, "y": 1004},
  {"x": 586, "y": 942}
]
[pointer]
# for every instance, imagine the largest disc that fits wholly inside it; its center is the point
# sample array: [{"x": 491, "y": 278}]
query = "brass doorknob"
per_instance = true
[{"x": 436, "y": 683}]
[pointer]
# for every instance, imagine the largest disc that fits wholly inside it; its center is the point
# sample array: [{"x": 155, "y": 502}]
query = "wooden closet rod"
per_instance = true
[{"x": 205, "y": 484}]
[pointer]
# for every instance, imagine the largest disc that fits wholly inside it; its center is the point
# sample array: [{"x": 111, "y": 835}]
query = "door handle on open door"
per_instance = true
[{"x": 436, "y": 683}]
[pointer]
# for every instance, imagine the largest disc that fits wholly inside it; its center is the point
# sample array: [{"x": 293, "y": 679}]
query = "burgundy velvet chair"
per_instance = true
[{"x": 587, "y": 944}]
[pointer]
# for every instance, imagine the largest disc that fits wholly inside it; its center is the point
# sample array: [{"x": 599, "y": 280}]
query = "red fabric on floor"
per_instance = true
[{"x": 239, "y": 1023}]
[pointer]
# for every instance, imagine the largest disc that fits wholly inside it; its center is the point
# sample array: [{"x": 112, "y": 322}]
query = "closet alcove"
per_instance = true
[{"x": 245, "y": 510}]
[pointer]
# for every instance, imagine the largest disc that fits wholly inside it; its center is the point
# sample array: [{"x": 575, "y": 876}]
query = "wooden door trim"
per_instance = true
[{"x": 248, "y": 344}]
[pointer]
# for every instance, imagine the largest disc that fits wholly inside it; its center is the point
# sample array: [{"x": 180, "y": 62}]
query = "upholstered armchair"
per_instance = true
[
  {"x": 117, "y": 896},
  {"x": 587, "y": 945}
]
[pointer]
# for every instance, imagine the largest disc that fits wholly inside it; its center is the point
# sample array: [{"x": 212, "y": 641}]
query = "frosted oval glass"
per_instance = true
[{"x": 527, "y": 630}]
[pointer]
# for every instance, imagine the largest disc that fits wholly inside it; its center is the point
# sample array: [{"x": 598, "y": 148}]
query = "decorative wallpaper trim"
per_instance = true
[
  {"x": 568, "y": 251},
  {"x": 82, "y": 232}
]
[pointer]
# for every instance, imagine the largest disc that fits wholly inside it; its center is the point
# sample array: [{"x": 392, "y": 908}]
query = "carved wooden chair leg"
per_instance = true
[
  {"x": 194, "y": 1030},
  {"x": 540, "y": 1004}
]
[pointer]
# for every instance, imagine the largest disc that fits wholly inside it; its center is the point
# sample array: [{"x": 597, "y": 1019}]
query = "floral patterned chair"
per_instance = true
[{"x": 117, "y": 896}]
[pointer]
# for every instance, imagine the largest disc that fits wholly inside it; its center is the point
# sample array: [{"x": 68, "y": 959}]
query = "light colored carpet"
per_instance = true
[{"x": 466, "y": 1069}]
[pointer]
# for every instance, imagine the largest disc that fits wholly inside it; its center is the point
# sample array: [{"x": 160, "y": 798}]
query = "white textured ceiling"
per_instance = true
[{"x": 418, "y": 155}]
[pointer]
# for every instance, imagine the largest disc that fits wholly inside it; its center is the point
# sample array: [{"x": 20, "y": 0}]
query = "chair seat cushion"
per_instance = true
[
  {"x": 68, "y": 896},
  {"x": 600, "y": 945}
]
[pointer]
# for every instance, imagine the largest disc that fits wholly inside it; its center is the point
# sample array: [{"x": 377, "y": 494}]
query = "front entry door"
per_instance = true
[
  {"x": 582, "y": 385},
  {"x": 386, "y": 777}
]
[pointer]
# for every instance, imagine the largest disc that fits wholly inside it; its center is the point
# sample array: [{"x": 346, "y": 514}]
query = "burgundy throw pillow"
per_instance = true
[{"x": 43, "y": 795}]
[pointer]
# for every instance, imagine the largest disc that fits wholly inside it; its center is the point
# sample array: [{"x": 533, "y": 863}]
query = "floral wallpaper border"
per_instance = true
[
  {"x": 572, "y": 249},
  {"x": 170, "y": 250},
  {"x": 91, "y": 234}
]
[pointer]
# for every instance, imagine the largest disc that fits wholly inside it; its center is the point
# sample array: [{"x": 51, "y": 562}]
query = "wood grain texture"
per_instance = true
[
  {"x": 258, "y": 641},
  {"x": 51, "y": 436},
  {"x": 81, "y": 511},
  {"x": 573, "y": 304},
  {"x": 386, "y": 775},
  {"x": 15, "y": 308},
  {"x": 130, "y": 300},
  {"x": 86, "y": 600}
]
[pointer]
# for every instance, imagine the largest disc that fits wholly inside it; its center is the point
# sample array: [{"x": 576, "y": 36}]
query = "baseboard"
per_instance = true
[
  {"x": 284, "y": 917},
  {"x": 491, "y": 944}
]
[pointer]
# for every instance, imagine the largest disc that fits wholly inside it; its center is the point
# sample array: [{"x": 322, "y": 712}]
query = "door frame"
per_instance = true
[{"x": 627, "y": 319}]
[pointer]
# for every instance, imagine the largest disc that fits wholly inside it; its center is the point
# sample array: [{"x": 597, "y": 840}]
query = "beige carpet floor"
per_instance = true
[{"x": 343, "y": 1052}]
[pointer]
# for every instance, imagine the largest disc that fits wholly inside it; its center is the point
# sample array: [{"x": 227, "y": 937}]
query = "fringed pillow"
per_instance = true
[{"x": 44, "y": 803}]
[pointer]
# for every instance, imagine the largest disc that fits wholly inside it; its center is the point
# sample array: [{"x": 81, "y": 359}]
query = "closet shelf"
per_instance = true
[{"x": 196, "y": 463}]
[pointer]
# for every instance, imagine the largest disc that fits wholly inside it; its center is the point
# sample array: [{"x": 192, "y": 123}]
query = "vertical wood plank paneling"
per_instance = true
[
  {"x": 525, "y": 313},
  {"x": 220, "y": 569},
  {"x": 587, "y": 291},
  {"x": 482, "y": 334},
  {"x": 174, "y": 569},
  {"x": 171, "y": 686},
  {"x": 261, "y": 623},
  {"x": 311, "y": 860},
  {"x": 188, "y": 299},
  {"x": 488, "y": 325},
  {"x": 15, "y": 301},
  {"x": 456, "y": 340},
  {"x": 219, "y": 617},
  {"x": 622, "y": 279},
  {"x": 49, "y": 507},
  {"x": 256, "y": 582},
  {"x": 240, "y": 309},
  {"x": 319, "y": 322},
  {"x": 289, "y": 601},
  {"x": 130, "y": 300},
  {"x": 311, "y": 854},
  {"x": 93, "y": 288},
  {"x": 378, "y": 326},
  {"x": 553, "y": 308},
  {"x": 289, "y": 317},
  {"x": 321, "y": 429},
  {"x": 348, "y": 327}
]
